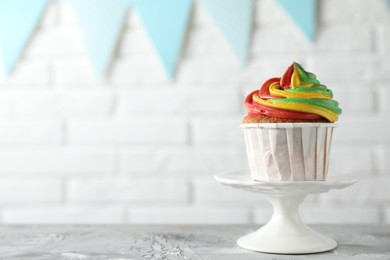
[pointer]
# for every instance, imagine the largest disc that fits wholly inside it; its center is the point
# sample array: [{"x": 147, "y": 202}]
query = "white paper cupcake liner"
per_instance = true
[{"x": 288, "y": 151}]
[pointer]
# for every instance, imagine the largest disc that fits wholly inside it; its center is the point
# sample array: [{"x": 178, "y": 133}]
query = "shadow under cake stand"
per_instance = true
[{"x": 285, "y": 233}]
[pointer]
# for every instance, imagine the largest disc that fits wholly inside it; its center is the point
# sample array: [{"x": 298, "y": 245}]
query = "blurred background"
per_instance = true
[{"x": 137, "y": 146}]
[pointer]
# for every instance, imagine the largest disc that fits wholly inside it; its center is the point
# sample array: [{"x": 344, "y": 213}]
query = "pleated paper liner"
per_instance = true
[{"x": 288, "y": 151}]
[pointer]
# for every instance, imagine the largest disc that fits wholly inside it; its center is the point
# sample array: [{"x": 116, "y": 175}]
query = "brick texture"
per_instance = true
[
  {"x": 113, "y": 190},
  {"x": 139, "y": 147}
]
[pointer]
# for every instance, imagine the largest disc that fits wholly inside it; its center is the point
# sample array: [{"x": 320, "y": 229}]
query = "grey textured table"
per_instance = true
[{"x": 174, "y": 242}]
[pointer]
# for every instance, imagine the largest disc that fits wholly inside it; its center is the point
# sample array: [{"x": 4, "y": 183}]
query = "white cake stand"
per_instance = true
[{"x": 285, "y": 233}]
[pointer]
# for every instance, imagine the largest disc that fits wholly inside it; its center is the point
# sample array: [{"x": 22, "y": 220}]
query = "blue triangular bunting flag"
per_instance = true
[
  {"x": 388, "y": 3},
  {"x": 234, "y": 18},
  {"x": 101, "y": 23},
  {"x": 18, "y": 20},
  {"x": 304, "y": 13},
  {"x": 166, "y": 23}
]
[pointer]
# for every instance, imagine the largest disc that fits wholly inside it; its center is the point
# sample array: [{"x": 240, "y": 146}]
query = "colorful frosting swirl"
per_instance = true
[{"x": 297, "y": 95}]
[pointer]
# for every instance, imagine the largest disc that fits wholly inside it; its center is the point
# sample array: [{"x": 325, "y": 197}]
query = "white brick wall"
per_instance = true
[
  {"x": 36, "y": 104},
  {"x": 147, "y": 130},
  {"x": 56, "y": 161},
  {"x": 182, "y": 161},
  {"x": 138, "y": 147},
  {"x": 135, "y": 191},
  {"x": 188, "y": 215},
  {"x": 13, "y": 192},
  {"x": 36, "y": 132}
]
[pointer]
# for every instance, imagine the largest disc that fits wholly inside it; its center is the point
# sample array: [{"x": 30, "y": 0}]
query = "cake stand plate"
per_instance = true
[{"x": 285, "y": 233}]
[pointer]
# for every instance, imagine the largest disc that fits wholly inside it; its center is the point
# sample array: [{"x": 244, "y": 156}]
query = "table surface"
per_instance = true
[{"x": 122, "y": 242}]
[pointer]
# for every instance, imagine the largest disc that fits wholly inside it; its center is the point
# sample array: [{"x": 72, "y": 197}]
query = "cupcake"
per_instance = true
[{"x": 289, "y": 126}]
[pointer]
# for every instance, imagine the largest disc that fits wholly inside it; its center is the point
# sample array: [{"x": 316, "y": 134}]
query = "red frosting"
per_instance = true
[
  {"x": 255, "y": 109},
  {"x": 286, "y": 78}
]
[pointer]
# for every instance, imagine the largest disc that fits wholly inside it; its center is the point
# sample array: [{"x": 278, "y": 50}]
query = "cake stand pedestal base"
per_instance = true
[{"x": 285, "y": 233}]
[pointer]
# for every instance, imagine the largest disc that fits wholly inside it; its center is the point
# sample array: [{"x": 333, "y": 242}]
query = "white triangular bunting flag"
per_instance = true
[
  {"x": 18, "y": 20},
  {"x": 234, "y": 18},
  {"x": 101, "y": 23}
]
